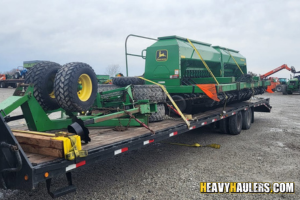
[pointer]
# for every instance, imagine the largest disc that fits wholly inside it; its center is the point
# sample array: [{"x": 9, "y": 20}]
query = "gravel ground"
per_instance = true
[{"x": 268, "y": 152}]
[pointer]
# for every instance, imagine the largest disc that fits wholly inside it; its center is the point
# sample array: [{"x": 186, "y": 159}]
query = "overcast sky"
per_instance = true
[{"x": 267, "y": 33}]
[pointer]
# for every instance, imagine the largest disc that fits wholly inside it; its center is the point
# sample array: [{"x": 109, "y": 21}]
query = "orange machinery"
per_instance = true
[
  {"x": 2, "y": 77},
  {"x": 274, "y": 80}
]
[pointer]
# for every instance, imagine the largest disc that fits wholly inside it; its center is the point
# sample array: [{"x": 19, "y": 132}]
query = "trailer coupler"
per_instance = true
[
  {"x": 15, "y": 150},
  {"x": 62, "y": 191}
]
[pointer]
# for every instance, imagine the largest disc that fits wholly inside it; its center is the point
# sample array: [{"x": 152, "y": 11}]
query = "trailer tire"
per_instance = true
[
  {"x": 247, "y": 118},
  {"x": 235, "y": 123},
  {"x": 224, "y": 126},
  {"x": 252, "y": 116},
  {"x": 17, "y": 75},
  {"x": 108, "y": 87},
  {"x": 153, "y": 93},
  {"x": 124, "y": 81},
  {"x": 75, "y": 87},
  {"x": 278, "y": 88},
  {"x": 159, "y": 115},
  {"x": 42, "y": 76},
  {"x": 3, "y": 85},
  {"x": 284, "y": 89}
]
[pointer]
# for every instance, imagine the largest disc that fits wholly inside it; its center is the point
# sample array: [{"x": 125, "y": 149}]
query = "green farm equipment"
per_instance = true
[
  {"x": 29, "y": 64},
  {"x": 292, "y": 85},
  {"x": 196, "y": 74},
  {"x": 102, "y": 79},
  {"x": 74, "y": 91},
  {"x": 283, "y": 81}
]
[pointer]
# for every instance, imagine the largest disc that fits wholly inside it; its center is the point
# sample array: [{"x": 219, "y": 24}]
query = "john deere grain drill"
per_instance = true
[{"x": 197, "y": 74}]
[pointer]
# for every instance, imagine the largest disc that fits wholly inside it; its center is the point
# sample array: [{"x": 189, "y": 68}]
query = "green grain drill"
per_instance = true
[{"x": 173, "y": 61}]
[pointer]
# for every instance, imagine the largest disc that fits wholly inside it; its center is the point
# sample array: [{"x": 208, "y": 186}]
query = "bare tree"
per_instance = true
[
  {"x": 12, "y": 72},
  {"x": 112, "y": 70},
  {"x": 252, "y": 73}
]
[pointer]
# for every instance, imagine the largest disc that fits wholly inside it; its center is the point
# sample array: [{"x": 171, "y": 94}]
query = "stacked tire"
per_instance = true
[
  {"x": 74, "y": 88},
  {"x": 153, "y": 93},
  {"x": 57, "y": 86},
  {"x": 42, "y": 76}
]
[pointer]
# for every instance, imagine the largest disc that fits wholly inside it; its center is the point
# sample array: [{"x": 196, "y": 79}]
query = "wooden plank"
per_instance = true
[
  {"x": 39, "y": 144},
  {"x": 43, "y": 150},
  {"x": 37, "y": 158},
  {"x": 38, "y": 140}
]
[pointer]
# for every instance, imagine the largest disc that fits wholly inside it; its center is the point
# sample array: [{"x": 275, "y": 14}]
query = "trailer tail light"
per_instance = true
[
  {"x": 148, "y": 141},
  {"x": 121, "y": 150},
  {"x": 46, "y": 175},
  {"x": 172, "y": 134},
  {"x": 73, "y": 166}
]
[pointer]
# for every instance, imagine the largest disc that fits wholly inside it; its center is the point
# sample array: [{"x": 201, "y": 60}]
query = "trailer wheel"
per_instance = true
[
  {"x": 224, "y": 126},
  {"x": 252, "y": 116},
  {"x": 124, "y": 81},
  {"x": 235, "y": 123},
  {"x": 153, "y": 93},
  {"x": 42, "y": 76},
  {"x": 284, "y": 89},
  {"x": 17, "y": 75},
  {"x": 13, "y": 85},
  {"x": 75, "y": 87},
  {"x": 278, "y": 88},
  {"x": 159, "y": 115},
  {"x": 3, "y": 85},
  {"x": 247, "y": 118}
]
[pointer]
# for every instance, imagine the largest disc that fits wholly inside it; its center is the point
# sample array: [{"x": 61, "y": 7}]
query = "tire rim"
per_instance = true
[
  {"x": 50, "y": 87},
  {"x": 52, "y": 95},
  {"x": 85, "y": 87},
  {"x": 279, "y": 89}
]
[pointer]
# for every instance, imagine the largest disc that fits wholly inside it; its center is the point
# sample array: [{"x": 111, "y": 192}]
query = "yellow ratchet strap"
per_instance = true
[
  {"x": 74, "y": 152},
  {"x": 204, "y": 63},
  {"x": 208, "y": 69},
  {"x": 235, "y": 61},
  {"x": 216, "y": 146},
  {"x": 173, "y": 102}
]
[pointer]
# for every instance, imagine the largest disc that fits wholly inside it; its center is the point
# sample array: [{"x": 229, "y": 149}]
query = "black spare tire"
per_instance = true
[
  {"x": 124, "y": 81},
  {"x": 76, "y": 87},
  {"x": 42, "y": 76}
]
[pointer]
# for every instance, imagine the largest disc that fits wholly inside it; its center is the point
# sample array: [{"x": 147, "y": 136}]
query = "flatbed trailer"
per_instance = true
[
  {"x": 10, "y": 82},
  {"x": 26, "y": 170}
]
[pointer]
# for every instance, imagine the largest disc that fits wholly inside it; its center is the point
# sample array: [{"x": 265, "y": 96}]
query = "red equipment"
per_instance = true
[
  {"x": 284, "y": 66},
  {"x": 2, "y": 77},
  {"x": 274, "y": 80}
]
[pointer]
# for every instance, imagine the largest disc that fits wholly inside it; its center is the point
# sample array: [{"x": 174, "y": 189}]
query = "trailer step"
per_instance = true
[{"x": 62, "y": 191}]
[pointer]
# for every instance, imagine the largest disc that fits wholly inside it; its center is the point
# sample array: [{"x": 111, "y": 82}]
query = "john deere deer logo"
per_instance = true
[{"x": 162, "y": 55}]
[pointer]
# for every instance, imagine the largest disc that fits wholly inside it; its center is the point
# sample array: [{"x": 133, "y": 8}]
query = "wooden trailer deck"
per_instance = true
[{"x": 104, "y": 136}]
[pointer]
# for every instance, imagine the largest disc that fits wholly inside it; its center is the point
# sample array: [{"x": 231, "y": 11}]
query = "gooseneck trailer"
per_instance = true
[
  {"x": 23, "y": 170},
  {"x": 99, "y": 121}
]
